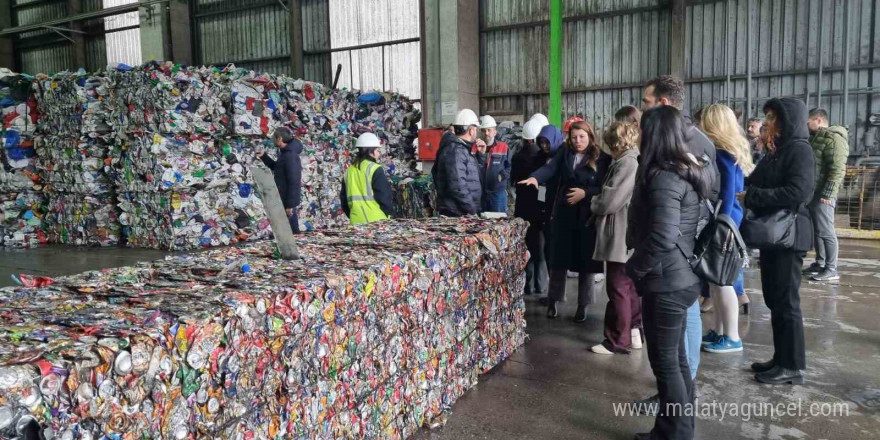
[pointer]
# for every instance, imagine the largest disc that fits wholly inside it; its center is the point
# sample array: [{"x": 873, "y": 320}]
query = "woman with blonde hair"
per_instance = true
[
  {"x": 623, "y": 313},
  {"x": 734, "y": 161}
]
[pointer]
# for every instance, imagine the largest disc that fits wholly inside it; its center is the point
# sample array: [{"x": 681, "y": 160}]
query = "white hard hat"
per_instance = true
[
  {"x": 466, "y": 118},
  {"x": 531, "y": 130},
  {"x": 487, "y": 122},
  {"x": 540, "y": 118},
  {"x": 368, "y": 140}
]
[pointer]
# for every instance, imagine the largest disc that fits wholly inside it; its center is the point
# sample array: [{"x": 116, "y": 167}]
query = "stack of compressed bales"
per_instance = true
[
  {"x": 327, "y": 122},
  {"x": 72, "y": 150},
  {"x": 181, "y": 182},
  {"x": 344, "y": 343},
  {"x": 20, "y": 195}
]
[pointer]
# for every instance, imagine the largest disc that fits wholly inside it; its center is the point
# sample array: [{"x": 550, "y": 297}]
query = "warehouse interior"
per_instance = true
[{"x": 179, "y": 248}]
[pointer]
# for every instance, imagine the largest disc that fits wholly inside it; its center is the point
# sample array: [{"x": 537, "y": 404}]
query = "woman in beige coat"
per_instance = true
[{"x": 623, "y": 314}]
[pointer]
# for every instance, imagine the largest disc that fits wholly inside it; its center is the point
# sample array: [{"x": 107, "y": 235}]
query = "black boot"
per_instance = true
[
  {"x": 581, "y": 314},
  {"x": 649, "y": 406},
  {"x": 779, "y": 375},
  {"x": 760, "y": 367},
  {"x": 552, "y": 312}
]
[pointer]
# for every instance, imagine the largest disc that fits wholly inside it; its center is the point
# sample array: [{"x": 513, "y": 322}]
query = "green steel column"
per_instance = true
[{"x": 555, "y": 115}]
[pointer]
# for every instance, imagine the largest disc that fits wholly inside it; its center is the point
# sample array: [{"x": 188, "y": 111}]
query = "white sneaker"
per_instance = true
[
  {"x": 636, "y": 339},
  {"x": 598, "y": 278},
  {"x": 600, "y": 349},
  {"x": 571, "y": 274}
]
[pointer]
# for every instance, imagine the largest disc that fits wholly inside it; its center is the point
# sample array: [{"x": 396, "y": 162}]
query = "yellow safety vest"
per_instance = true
[{"x": 362, "y": 206}]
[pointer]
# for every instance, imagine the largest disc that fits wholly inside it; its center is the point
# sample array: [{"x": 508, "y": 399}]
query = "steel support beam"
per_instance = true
[
  {"x": 78, "y": 48},
  {"x": 297, "y": 68},
  {"x": 116, "y": 10},
  {"x": 677, "y": 38},
  {"x": 846, "y": 51},
  {"x": 574, "y": 18},
  {"x": 720, "y": 78},
  {"x": 181, "y": 34},
  {"x": 748, "y": 61},
  {"x": 7, "y": 56},
  {"x": 555, "y": 68}
]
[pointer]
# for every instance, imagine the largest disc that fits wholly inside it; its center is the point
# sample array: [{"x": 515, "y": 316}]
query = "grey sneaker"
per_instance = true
[
  {"x": 826, "y": 275},
  {"x": 814, "y": 269}
]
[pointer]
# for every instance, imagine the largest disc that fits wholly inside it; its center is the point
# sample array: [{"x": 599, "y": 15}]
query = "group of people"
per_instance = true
[{"x": 631, "y": 205}]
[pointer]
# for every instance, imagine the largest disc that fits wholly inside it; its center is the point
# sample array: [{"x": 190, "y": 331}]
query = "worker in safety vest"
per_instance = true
[{"x": 366, "y": 193}]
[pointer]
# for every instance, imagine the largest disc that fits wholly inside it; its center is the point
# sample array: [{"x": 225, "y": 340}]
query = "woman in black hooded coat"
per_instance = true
[{"x": 784, "y": 179}]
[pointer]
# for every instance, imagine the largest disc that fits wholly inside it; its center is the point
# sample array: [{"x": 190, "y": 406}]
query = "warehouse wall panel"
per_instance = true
[
  {"x": 508, "y": 12},
  {"x": 609, "y": 49},
  {"x": 96, "y": 53},
  {"x": 388, "y": 67},
  {"x": 46, "y": 59},
  {"x": 582, "y": 7},
  {"x": 788, "y": 37},
  {"x": 243, "y": 33},
  {"x": 316, "y": 37}
]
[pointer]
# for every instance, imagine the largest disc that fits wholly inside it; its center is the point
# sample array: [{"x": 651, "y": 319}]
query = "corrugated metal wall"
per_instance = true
[
  {"x": 255, "y": 34},
  {"x": 786, "y": 42},
  {"x": 122, "y": 46},
  {"x": 609, "y": 49},
  {"x": 46, "y": 51},
  {"x": 316, "y": 41},
  {"x": 612, "y": 47},
  {"x": 250, "y": 33},
  {"x": 40, "y": 58},
  {"x": 394, "y": 67}
]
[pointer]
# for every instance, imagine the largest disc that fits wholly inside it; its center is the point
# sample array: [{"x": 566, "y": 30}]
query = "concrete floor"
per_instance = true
[{"x": 553, "y": 388}]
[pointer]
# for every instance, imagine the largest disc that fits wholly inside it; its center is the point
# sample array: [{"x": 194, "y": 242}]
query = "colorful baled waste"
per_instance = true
[
  {"x": 20, "y": 195},
  {"x": 374, "y": 333},
  {"x": 158, "y": 155}
]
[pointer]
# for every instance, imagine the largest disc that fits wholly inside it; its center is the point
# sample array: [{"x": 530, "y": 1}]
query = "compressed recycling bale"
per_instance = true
[{"x": 373, "y": 334}]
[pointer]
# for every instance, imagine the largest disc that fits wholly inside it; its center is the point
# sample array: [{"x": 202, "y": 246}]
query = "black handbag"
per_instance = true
[
  {"x": 719, "y": 250},
  {"x": 774, "y": 231}
]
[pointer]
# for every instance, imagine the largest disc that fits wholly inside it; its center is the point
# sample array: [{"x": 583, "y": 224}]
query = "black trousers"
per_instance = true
[
  {"x": 536, "y": 270},
  {"x": 781, "y": 283},
  {"x": 665, "y": 321}
]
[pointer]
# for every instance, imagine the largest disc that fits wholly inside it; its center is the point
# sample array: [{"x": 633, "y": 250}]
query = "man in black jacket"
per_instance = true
[
  {"x": 668, "y": 90},
  {"x": 457, "y": 175},
  {"x": 287, "y": 171}
]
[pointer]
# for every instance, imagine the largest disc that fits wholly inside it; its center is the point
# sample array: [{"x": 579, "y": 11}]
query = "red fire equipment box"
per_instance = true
[{"x": 429, "y": 141}]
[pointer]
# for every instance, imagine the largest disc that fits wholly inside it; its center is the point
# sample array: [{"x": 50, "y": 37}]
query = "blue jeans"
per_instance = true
[
  {"x": 495, "y": 202},
  {"x": 738, "y": 286},
  {"x": 693, "y": 337}
]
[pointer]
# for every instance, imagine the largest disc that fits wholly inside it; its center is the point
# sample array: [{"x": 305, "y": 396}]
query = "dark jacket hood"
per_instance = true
[
  {"x": 553, "y": 136},
  {"x": 294, "y": 146},
  {"x": 791, "y": 114}
]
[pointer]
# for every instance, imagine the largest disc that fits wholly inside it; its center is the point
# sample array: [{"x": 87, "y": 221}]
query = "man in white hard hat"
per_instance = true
[
  {"x": 366, "y": 193},
  {"x": 541, "y": 119},
  {"x": 456, "y": 171},
  {"x": 495, "y": 163}
]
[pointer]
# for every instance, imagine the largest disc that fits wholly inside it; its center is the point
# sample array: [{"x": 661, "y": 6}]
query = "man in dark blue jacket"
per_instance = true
[
  {"x": 288, "y": 172},
  {"x": 456, "y": 173}
]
